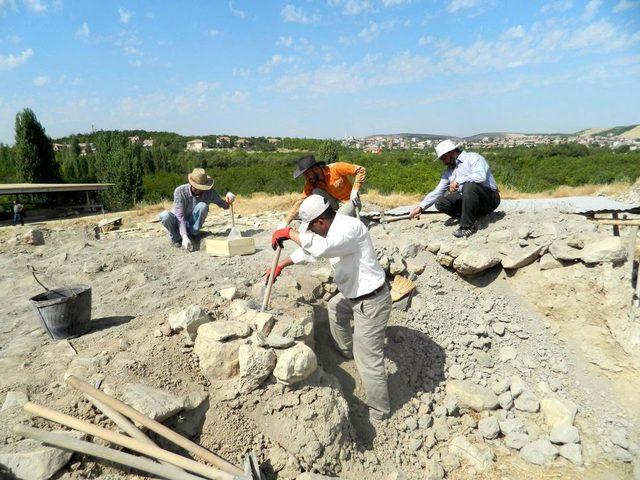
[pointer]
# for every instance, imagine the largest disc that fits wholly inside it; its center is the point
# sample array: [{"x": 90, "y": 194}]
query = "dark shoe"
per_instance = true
[
  {"x": 176, "y": 244},
  {"x": 464, "y": 232}
]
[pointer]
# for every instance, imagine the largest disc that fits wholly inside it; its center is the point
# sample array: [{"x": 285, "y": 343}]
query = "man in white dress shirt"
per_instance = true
[
  {"x": 363, "y": 293},
  {"x": 467, "y": 189}
]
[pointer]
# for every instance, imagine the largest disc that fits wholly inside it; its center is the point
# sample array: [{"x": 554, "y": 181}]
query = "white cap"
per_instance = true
[
  {"x": 445, "y": 147},
  {"x": 311, "y": 208}
]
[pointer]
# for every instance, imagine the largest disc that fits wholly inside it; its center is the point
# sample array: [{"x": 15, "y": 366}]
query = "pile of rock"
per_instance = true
[{"x": 479, "y": 253}]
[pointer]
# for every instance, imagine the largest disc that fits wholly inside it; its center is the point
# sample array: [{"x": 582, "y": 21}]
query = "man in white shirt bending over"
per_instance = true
[
  {"x": 363, "y": 294},
  {"x": 467, "y": 189}
]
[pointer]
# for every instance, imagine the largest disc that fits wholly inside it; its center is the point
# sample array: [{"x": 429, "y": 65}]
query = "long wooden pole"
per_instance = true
[
  {"x": 157, "y": 427},
  {"x": 267, "y": 293},
  {"x": 74, "y": 444},
  {"x": 123, "y": 423},
  {"x": 620, "y": 223},
  {"x": 127, "y": 442}
]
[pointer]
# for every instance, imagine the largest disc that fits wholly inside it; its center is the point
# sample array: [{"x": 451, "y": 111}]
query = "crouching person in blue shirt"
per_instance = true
[{"x": 190, "y": 208}]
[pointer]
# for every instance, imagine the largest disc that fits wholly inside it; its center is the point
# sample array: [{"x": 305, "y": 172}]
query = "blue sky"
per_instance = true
[{"x": 326, "y": 68}]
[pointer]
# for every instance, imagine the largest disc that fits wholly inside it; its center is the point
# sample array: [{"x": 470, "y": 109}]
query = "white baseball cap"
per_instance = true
[
  {"x": 311, "y": 208},
  {"x": 445, "y": 147}
]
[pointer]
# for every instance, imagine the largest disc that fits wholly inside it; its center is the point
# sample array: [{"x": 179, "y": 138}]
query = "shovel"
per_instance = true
[
  {"x": 234, "y": 233},
  {"x": 265, "y": 291}
]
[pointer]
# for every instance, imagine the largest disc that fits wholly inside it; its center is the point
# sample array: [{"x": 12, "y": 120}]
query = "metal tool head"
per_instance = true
[{"x": 251, "y": 469}]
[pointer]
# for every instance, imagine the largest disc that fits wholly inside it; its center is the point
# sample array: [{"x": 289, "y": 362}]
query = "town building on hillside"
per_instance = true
[
  {"x": 273, "y": 141},
  {"x": 60, "y": 146},
  {"x": 135, "y": 139},
  {"x": 197, "y": 145},
  {"x": 86, "y": 148},
  {"x": 223, "y": 141},
  {"x": 148, "y": 143},
  {"x": 242, "y": 143}
]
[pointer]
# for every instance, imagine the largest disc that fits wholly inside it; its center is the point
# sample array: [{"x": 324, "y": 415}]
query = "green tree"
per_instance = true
[
  {"x": 329, "y": 151},
  {"x": 35, "y": 160},
  {"x": 122, "y": 166}
]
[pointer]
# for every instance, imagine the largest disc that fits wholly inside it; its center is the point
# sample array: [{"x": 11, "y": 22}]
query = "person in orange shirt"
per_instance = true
[{"x": 332, "y": 182}]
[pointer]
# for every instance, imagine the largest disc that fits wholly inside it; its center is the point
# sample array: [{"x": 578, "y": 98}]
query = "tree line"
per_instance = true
[{"x": 152, "y": 173}]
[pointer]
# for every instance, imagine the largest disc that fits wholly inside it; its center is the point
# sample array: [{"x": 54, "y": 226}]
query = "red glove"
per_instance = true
[
  {"x": 279, "y": 236},
  {"x": 279, "y": 268}
]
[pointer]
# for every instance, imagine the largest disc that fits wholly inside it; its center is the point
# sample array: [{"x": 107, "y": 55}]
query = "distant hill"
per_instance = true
[{"x": 629, "y": 132}]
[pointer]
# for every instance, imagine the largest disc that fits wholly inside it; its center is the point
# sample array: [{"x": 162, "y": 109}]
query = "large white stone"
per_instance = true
[
  {"x": 561, "y": 251},
  {"x": 295, "y": 364},
  {"x": 564, "y": 433},
  {"x": 572, "y": 452},
  {"x": 610, "y": 249},
  {"x": 256, "y": 364},
  {"x": 556, "y": 411},
  {"x": 154, "y": 403},
  {"x": 539, "y": 452},
  {"x": 226, "y": 330},
  {"x": 31, "y": 460},
  {"x": 14, "y": 400},
  {"x": 548, "y": 262},
  {"x": 472, "y": 396},
  {"x": 521, "y": 257},
  {"x": 218, "y": 360},
  {"x": 472, "y": 261},
  {"x": 480, "y": 457},
  {"x": 189, "y": 320}
]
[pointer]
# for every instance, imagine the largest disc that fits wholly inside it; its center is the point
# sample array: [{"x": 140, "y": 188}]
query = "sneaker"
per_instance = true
[{"x": 463, "y": 232}]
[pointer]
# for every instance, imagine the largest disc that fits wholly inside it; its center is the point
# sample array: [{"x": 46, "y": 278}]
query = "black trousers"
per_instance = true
[{"x": 474, "y": 202}]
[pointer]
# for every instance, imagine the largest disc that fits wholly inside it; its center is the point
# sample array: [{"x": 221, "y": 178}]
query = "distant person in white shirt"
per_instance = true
[
  {"x": 363, "y": 294},
  {"x": 467, "y": 189}
]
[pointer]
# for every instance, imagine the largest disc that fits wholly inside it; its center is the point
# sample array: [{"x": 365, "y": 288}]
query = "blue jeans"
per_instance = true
[
  {"x": 194, "y": 221},
  {"x": 17, "y": 217}
]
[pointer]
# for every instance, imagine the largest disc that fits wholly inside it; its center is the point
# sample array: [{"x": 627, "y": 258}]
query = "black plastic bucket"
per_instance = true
[{"x": 64, "y": 312}]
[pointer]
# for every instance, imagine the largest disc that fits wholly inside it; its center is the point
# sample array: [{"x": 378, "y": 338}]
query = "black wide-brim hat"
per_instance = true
[{"x": 305, "y": 163}]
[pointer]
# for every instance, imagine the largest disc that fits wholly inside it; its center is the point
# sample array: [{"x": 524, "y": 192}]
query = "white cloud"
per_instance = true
[
  {"x": 352, "y": 7},
  {"x": 368, "y": 34},
  {"x": 125, "y": 15},
  {"x": 201, "y": 87},
  {"x": 41, "y": 81},
  {"x": 293, "y": 14},
  {"x": 391, "y": 3},
  {"x": 623, "y": 5},
  {"x": 238, "y": 13},
  {"x": 557, "y": 6},
  {"x": 7, "y": 4},
  {"x": 213, "y": 33},
  {"x": 425, "y": 40},
  {"x": 591, "y": 8},
  {"x": 241, "y": 72},
  {"x": 514, "y": 32},
  {"x": 83, "y": 31},
  {"x": 456, "y": 5},
  {"x": 236, "y": 97},
  {"x": 36, "y": 6},
  {"x": 11, "y": 61},
  {"x": 279, "y": 60},
  {"x": 285, "y": 41},
  {"x": 130, "y": 51}
]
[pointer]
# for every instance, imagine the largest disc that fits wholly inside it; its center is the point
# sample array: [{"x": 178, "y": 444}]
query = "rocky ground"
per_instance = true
[{"x": 516, "y": 356}]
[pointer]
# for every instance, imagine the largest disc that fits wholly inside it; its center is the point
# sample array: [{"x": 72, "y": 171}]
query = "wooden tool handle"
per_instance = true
[
  {"x": 152, "y": 425},
  {"x": 123, "y": 423},
  {"x": 267, "y": 293},
  {"x": 127, "y": 442},
  {"x": 68, "y": 442},
  {"x": 233, "y": 222}
]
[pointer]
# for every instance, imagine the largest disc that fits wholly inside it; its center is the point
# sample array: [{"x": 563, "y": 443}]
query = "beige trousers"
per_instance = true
[{"x": 365, "y": 342}]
